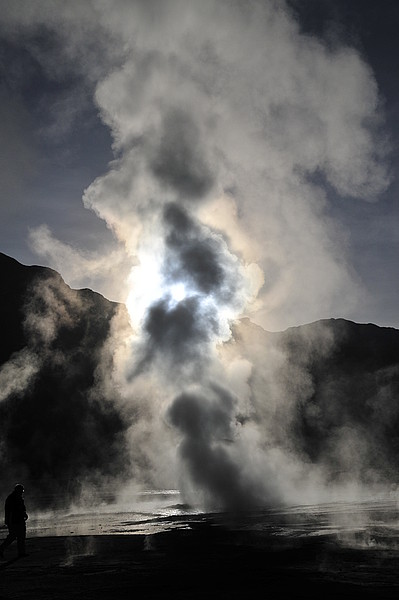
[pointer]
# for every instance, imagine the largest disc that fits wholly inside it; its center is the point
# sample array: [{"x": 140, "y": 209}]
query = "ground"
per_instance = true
[{"x": 207, "y": 559}]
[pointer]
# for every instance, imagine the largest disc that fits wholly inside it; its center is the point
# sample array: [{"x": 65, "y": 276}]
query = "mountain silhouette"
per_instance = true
[
  {"x": 59, "y": 433},
  {"x": 329, "y": 391},
  {"x": 325, "y": 394}
]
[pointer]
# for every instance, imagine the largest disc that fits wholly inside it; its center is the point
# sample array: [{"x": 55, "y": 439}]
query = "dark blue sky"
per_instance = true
[
  {"x": 60, "y": 130},
  {"x": 59, "y": 145},
  {"x": 372, "y": 28}
]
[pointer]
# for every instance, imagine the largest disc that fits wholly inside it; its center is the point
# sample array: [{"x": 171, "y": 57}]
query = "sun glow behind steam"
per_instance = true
[
  {"x": 178, "y": 292},
  {"x": 146, "y": 285}
]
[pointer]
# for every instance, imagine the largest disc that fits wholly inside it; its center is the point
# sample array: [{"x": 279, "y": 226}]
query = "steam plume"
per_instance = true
[{"x": 223, "y": 116}]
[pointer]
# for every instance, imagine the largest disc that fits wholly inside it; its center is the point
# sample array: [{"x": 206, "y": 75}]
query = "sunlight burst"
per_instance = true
[{"x": 178, "y": 292}]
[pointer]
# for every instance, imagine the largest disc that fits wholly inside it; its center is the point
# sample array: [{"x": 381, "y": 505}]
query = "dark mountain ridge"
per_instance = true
[
  {"x": 57, "y": 428},
  {"x": 17, "y": 283},
  {"x": 337, "y": 399},
  {"x": 326, "y": 393}
]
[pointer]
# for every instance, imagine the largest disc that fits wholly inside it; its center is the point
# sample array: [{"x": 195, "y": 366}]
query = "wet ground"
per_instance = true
[{"x": 345, "y": 550}]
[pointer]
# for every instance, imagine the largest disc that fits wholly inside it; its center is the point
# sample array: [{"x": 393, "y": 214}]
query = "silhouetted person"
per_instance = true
[{"x": 15, "y": 516}]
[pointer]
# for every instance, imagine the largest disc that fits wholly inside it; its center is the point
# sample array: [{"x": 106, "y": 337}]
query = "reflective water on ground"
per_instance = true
[{"x": 369, "y": 524}]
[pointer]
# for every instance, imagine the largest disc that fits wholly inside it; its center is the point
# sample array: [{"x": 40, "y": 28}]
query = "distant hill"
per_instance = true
[
  {"x": 57, "y": 430},
  {"x": 328, "y": 392},
  {"x": 325, "y": 394}
]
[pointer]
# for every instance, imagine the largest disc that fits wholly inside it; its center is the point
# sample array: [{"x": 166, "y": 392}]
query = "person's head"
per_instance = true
[{"x": 19, "y": 489}]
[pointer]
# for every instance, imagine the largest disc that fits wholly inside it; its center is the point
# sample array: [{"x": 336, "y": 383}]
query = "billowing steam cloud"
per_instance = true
[
  {"x": 201, "y": 279},
  {"x": 233, "y": 112},
  {"x": 207, "y": 418},
  {"x": 223, "y": 116}
]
